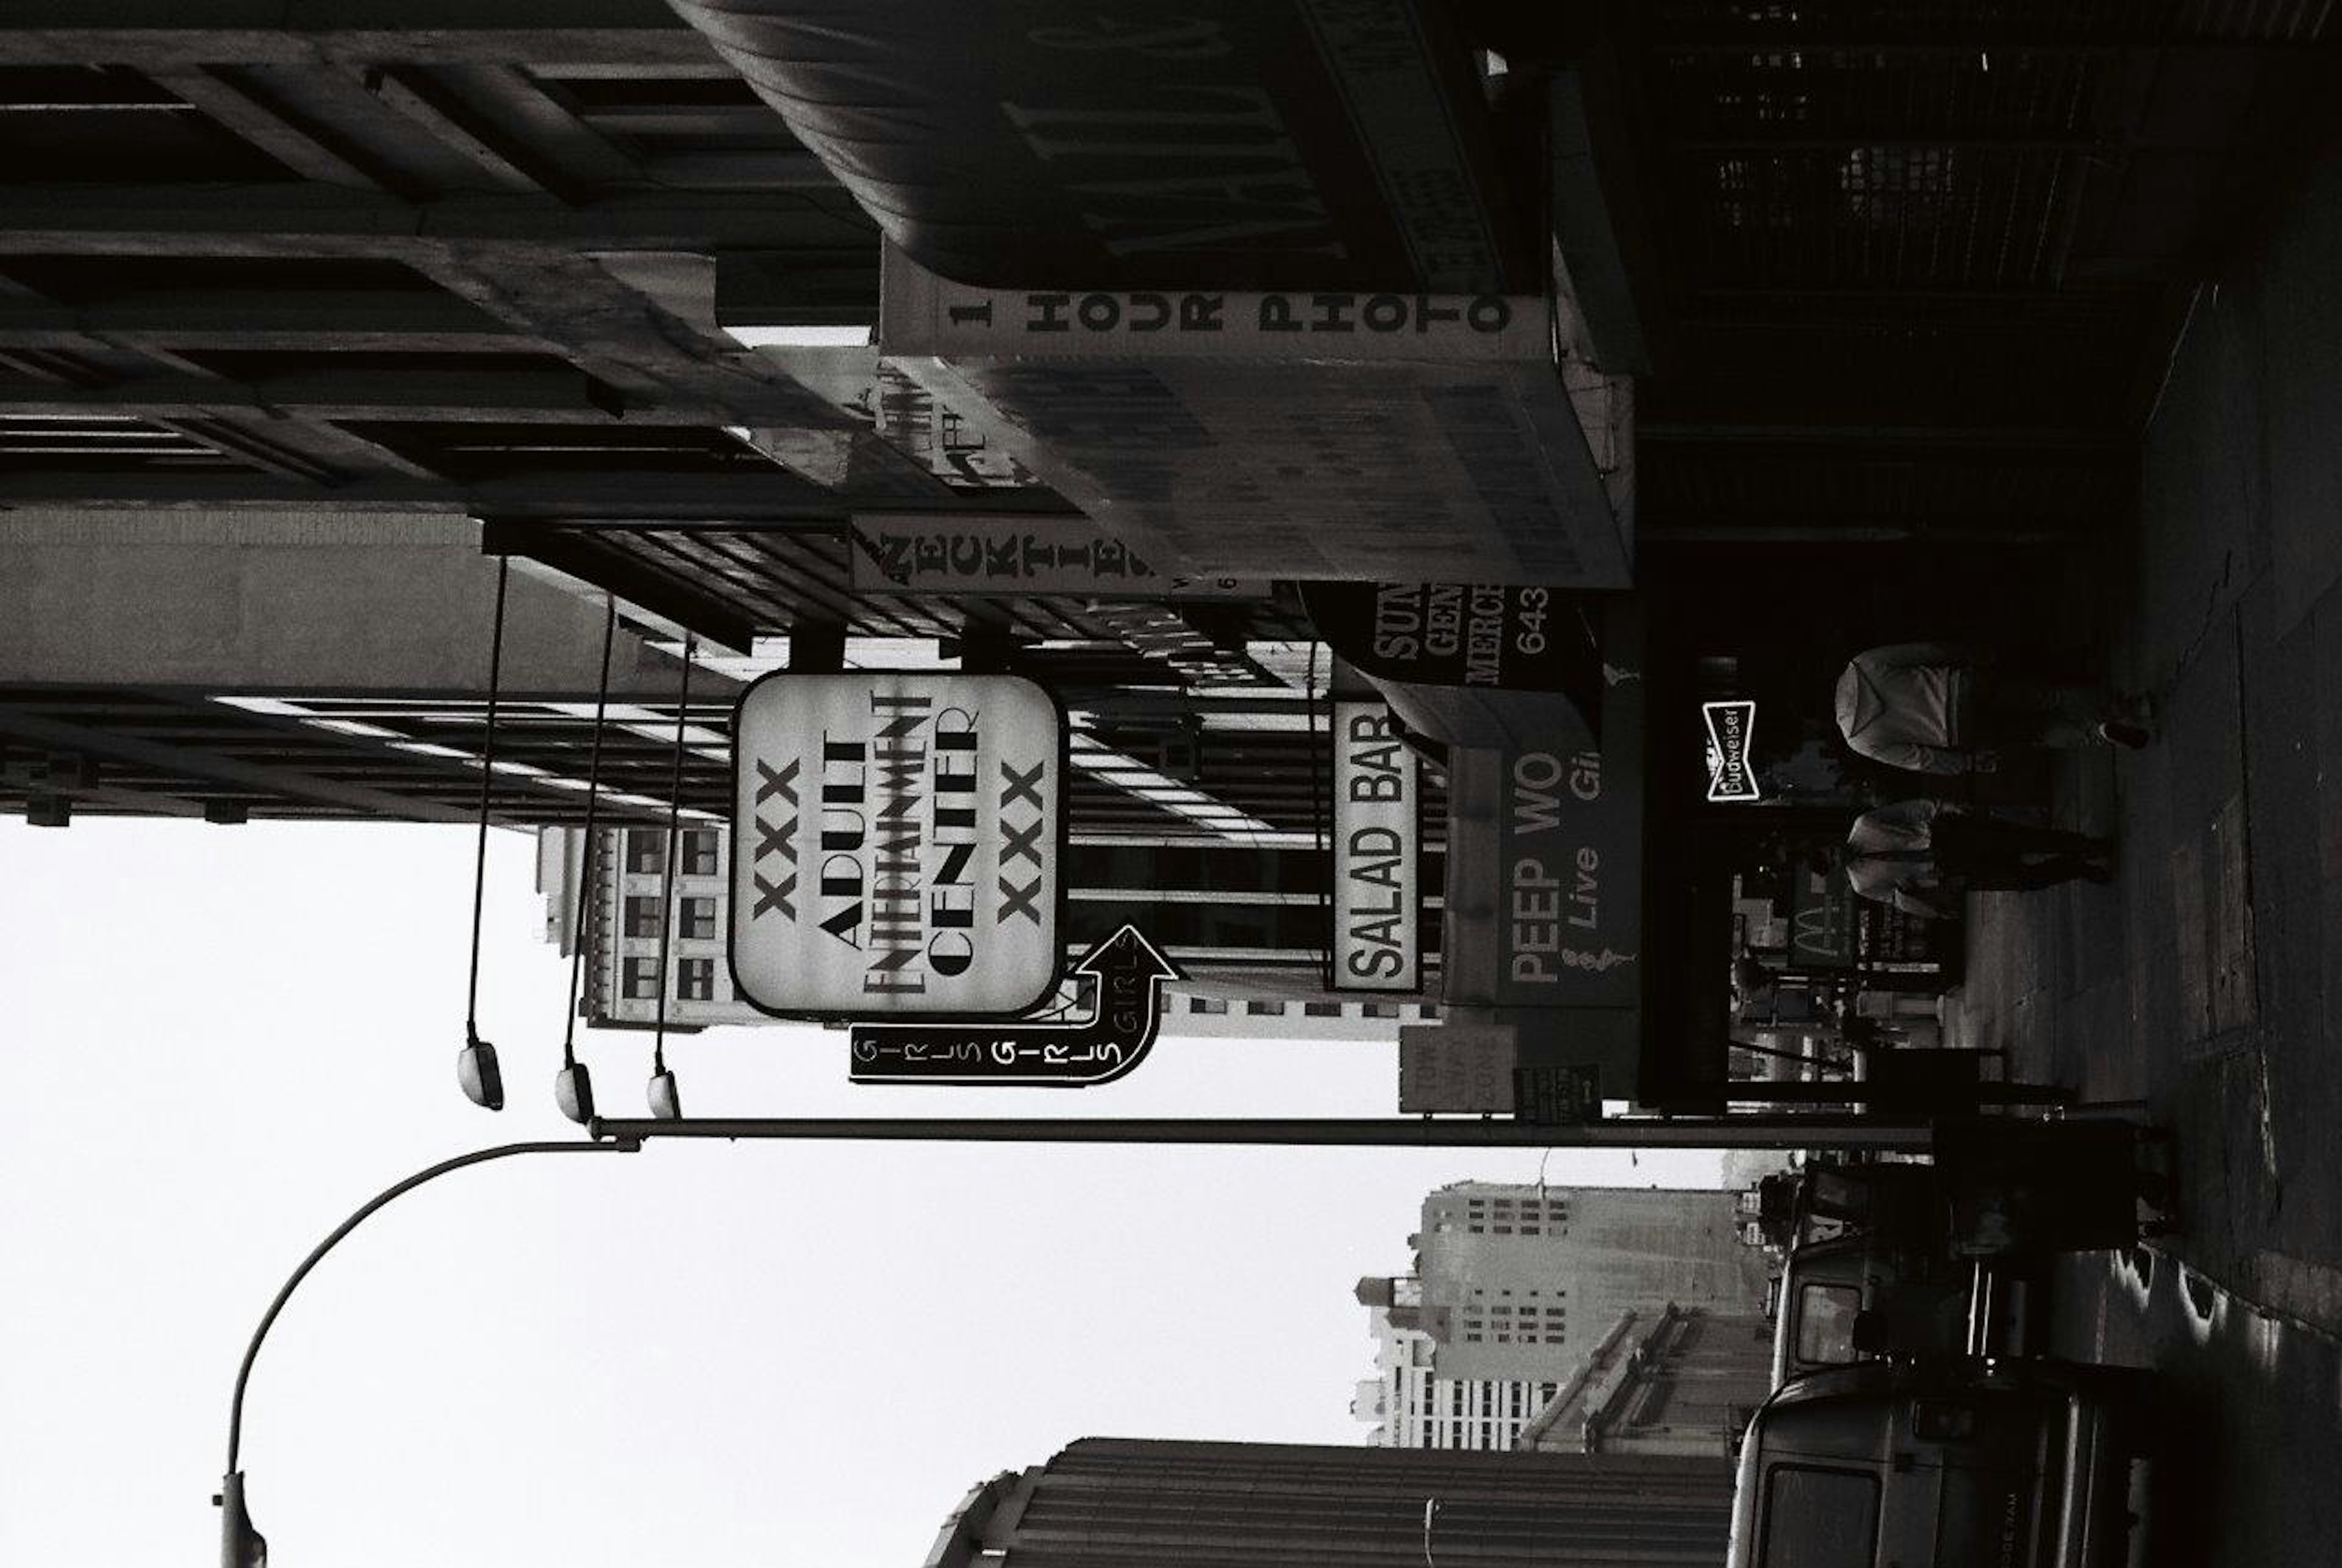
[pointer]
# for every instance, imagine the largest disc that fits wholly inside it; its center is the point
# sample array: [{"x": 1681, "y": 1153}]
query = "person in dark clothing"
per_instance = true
[
  {"x": 1922, "y": 855},
  {"x": 1943, "y": 708},
  {"x": 1985, "y": 851}
]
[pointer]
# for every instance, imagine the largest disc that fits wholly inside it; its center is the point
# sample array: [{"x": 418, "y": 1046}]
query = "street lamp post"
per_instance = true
[
  {"x": 1745, "y": 1132},
  {"x": 242, "y": 1546}
]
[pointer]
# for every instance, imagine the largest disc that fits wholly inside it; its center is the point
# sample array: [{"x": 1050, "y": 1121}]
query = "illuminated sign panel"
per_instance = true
[
  {"x": 1377, "y": 883},
  {"x": 1730, "y": 726},
  {"x": 896, "y": 845}
]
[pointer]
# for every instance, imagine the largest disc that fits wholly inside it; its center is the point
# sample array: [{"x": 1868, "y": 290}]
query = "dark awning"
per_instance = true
[{"x": 1118, "y": 143}]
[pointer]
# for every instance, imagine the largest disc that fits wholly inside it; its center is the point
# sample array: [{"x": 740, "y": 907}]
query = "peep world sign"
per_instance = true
[
  {"x": 1377, "y": 887},
  {"x": 896, "y": 845}
]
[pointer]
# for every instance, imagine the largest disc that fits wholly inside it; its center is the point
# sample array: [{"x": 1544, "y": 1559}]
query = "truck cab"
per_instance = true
[
  {"x": 1855, "y": 1295},
  {"x": 1965, "y": 1463}
]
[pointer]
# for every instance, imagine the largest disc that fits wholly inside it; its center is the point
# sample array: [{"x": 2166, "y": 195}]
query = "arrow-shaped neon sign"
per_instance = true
[{"x": 1126, "y": 974}]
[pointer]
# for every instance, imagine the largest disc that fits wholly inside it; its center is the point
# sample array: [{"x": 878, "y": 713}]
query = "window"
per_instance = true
[
  {"x": 700, "y": 846},
  {"x": 1211, "y": 1005},
  {"x": 1825, "y": 1323},
  {"x": 1265, "y": 1009},
  {"x": 698, "y": 919},
  {"x": 694, "y": 979},
  {"x": 1816, "y": 1518},
  {"x": 641, "y": 916},
  {"x": 1321, "y": 1009},
  {"x": 641, "y": 980},
  {"x": 646, "y": 851}
]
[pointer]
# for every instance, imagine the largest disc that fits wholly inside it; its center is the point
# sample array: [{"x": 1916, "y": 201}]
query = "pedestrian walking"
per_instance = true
[
  {"x": 1943, "y": 708},
  {"x": 1922, "y": 855}
]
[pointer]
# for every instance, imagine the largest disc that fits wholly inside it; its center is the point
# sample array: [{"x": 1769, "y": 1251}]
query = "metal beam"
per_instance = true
[
  {"x": 217, "y": 92},
  {"x": 1865, "y": 530},
  {"x": 635, "y": 496},
  {"x": 318, "y": 220},
  {"x": 453, "y": 126},
  {"x": 1995, "y": 439},
  {"x": 232, "y": 318},
  {"x": 505, "y": 396},
  {"x": 642, "y": 35},
  {"x": 623, "y": 574},
  {"x": 204, "y": 764}
]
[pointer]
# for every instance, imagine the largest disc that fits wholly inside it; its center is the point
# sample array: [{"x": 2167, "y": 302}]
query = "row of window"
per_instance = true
[
  {"x": 1555, "y": 1333},
  {"x": 694, "y": 979},
  {"x": 1216, "y": 1006},
  {"x": 698, "y": 851},
  {"x": 1523, "y": 1208},
  {"x": 694, "y": 918}
]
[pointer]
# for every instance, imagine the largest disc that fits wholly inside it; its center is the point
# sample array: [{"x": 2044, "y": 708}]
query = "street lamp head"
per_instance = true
[
  {"x": 476, "y": 1071},
  {"x": 666, "y": 1100},
  {"x": 241, "y": 1546},
  {"x": 572, "y": 1090}
]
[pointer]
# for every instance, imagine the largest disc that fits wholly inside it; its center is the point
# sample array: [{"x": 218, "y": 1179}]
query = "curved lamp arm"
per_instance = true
[{"x": 623, "y": 1145}]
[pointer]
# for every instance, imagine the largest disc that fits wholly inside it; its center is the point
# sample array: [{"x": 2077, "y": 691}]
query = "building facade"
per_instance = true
[
  {"x": 1114, "y": 1503},
  {"x": 1523, "y": 1282},
  {"x": 1230, "y": 991},
  {"x": 1413, "y": 1406},
  {"x": 1669, "y": 1380}
]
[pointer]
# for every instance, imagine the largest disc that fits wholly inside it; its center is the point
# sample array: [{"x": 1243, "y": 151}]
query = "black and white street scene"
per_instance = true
[{"x": 1083, "y": 783}]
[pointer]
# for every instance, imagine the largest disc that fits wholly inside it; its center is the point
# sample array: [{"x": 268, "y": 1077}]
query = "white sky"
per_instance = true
[{"x": 224, "y": 1039}]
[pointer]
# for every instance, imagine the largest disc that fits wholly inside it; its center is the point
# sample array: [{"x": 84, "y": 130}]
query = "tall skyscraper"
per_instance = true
[
  {"x": 1116, "y": 1503},
  {"x": 1413, "y": 1406},
  {"x": 1522, "y": 1282}
]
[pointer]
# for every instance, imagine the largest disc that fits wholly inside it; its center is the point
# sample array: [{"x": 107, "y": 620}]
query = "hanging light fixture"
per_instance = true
[
  {"x": 573, "y": 1086},
  {"x": 666, "y": 1100},
  {"x": 476, "y": 1070}
]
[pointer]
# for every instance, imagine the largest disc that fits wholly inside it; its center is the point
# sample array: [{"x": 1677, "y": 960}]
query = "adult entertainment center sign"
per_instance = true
[
  {"x": 1378, "y": 888},
  {"x": 894, "y": 844}
]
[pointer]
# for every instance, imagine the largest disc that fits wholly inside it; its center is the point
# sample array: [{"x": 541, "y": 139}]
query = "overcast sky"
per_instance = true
[{"x": 225, "y": 1039}]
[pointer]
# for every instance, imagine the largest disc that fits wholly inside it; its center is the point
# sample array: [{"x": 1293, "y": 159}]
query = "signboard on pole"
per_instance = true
[
  {"x": 1569, "y": 1096},
  {"x": 897, "y": 845},
  {"x": 1377, "y": 883},
  {"x": 1455, "y": 1066}
]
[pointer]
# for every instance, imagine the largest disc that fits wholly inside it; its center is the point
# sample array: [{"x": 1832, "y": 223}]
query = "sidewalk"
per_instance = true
[{"x": 2208, "y": 978}]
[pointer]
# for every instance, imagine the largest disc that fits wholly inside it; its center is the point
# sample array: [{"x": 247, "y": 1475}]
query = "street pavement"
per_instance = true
[{"x": 2206, "y": 980}]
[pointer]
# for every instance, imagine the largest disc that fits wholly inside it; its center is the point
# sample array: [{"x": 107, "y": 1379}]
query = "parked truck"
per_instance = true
[
  {"x": 1950, "y": 1258},
  {"x": 1958, "y": 1464}
]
